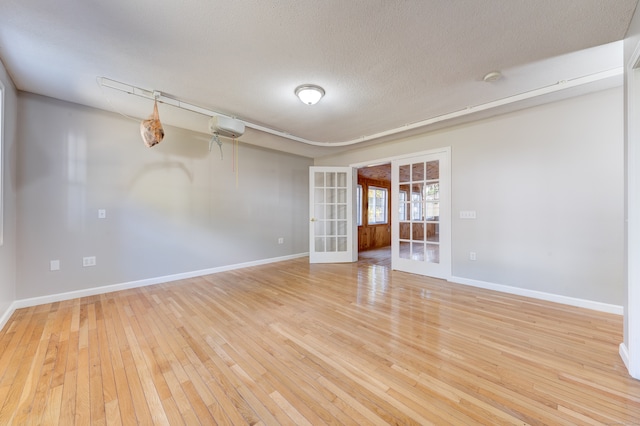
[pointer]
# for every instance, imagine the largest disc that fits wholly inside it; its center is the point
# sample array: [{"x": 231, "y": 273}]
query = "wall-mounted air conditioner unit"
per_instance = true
[{"x": 226, "y": 126}]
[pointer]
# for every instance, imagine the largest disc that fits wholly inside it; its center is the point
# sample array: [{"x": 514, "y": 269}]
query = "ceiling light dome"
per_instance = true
[
  {"x": 310, "y": 94},
  {"x": 492, "y": 76}
]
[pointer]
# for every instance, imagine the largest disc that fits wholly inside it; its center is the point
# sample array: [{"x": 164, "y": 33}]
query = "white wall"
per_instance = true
[
  {"x": 8, "y": 248},
  {"x": 547, "y": 186},
  {"x": 171, "y": 209}
]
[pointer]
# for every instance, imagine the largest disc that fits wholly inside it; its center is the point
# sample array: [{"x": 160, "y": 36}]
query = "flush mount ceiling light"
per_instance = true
[
  {"x": 310, "y": 94},
  {"x": 492, "y": 76}
]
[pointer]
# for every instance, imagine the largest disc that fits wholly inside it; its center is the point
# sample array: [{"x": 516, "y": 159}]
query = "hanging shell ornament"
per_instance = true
[{"x": 151, "y": 128}]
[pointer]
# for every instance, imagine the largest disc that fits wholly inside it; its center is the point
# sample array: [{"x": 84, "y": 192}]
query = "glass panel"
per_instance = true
[
  {"x": 331, "y": 195},
  {"x": 331, "y": 211},
  {"x": 318, "y": 179},
  {"x": 417, "y": 232},
  {"x": 331, "y": 228},
  {"x": 342, "y": 243},
  {"x": 433, "y": 253},
  {"x": 319, "y": 211},
  {"x": 342, "y": 180},
  {"x": 433, "y": 232},
  {"x": 403, "y": 195},
  {"x": 404, "y": 250},
  {"x": 342, "y": 211},
  {"x": 432, "y": 191},
  {"x": 416, "y": 206},
  {"x": 417, "y": 172},
  {"x": 319, "y": 244},
  {"x": 403, "y": 211},
  {"x": 433, "y": 170},
  {"x": 331, "y": 244},
  {"x": 433, "y": 211},
  {"x": 404, "y": 173},
  {"x": 319, "y": 227},
  {"x": 319, "y": 195},
  {"x": 416, "y": 211},
  {"x": 331, "y": 180},
  {"x": 342, "y": 195},
  {"x": 417, "y": 251},
  {"x": 405, "y": 230},
  {"x": 341, "y": 227}
]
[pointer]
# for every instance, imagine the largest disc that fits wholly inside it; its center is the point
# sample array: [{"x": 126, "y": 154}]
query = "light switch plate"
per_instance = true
[{"x": 467, "y": 214}]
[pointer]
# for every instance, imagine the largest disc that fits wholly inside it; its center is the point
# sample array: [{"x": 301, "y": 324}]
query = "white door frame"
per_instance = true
[
  {"x": 408, "y": 156},
  {"x": 630, "y": 347}
]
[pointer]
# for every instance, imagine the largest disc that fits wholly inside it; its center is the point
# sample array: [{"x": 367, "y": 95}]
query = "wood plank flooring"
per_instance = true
[{"x": 293, "y": 343}]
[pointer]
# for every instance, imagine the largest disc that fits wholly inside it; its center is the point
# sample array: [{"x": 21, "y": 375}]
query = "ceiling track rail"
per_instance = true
[{"x": 561, "y": 85}]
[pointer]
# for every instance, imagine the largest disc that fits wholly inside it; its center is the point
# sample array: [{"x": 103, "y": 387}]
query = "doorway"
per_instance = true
[
  {"x": 403, "y": 215},
  {"x": 373, "y": 207}
]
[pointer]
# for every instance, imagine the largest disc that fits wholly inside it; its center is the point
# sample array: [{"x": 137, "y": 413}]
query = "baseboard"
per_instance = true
[
  {"x": 41, "y": 300},
  {"x": 550, "y": 297},
  {"x": 624, "y": 354},
  {"x": 34, "y": 301},
  {"x": 7, "y": 314}
]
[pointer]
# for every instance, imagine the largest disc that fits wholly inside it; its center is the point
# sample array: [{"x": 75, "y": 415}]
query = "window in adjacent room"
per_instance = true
[
  {"x": 359, "y": 204},
  {"x": 377, "y": 205},
  {"x": 402, "y": 209}
]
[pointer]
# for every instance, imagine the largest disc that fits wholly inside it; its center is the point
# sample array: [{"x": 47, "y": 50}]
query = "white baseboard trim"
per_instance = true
[
  {"x": 7, "y": 314},
  {"x": 52, "y": 298},
  {"x": 34, "y": 301},
  {"x": 624, "y": 354},
  {"x": 550, "y": 297}
]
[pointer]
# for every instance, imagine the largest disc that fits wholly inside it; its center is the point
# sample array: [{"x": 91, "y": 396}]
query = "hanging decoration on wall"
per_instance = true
[{"x": 151, "y": 128}]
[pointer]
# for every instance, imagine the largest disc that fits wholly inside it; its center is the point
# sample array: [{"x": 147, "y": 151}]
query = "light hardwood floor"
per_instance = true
[{"x": 293, "y": 343}]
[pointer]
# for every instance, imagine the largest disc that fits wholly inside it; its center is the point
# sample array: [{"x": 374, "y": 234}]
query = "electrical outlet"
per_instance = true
[
  {"x": 280, "y": 240},
  {"x": 102, "y": 214},
  {"x": 54, "y": 265},
  {"x": 89, "y": 261},
  {"x": 472, "y": 255}
]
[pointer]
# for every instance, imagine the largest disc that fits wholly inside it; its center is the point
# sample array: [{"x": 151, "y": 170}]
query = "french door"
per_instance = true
[
  {"x": 332, "y": 227},
  {"x": 421, "y": 214}
]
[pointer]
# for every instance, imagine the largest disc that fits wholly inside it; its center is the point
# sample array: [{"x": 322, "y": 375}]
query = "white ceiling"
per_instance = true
[{"x": 383, "y": 63}]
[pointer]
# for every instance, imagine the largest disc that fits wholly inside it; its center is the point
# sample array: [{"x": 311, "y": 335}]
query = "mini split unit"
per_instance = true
[{"x": 226, "y": 126}]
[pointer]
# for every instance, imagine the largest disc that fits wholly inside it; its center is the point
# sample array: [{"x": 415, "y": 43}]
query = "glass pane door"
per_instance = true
[
  {"x": 420, "y": 227},
  {"x": 332, "y": 215},
  {"x": 421, "y": 239}
]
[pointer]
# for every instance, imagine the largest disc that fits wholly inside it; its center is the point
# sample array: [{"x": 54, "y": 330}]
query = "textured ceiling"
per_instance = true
[{"x": 383, "y": 63}]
